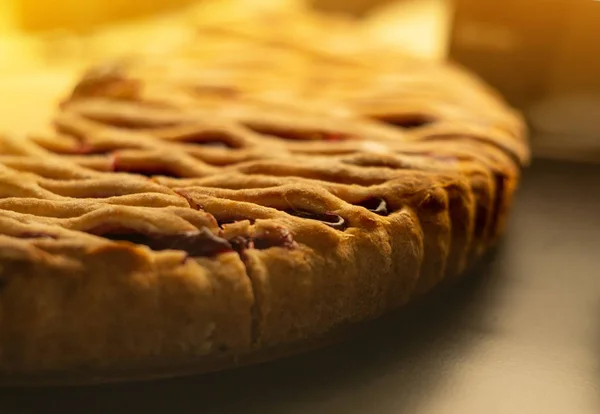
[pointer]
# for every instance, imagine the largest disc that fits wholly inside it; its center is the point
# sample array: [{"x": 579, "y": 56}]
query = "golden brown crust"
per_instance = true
[
  {"x": 245, "y": 192},
  {"x": 74, "y": 306}
]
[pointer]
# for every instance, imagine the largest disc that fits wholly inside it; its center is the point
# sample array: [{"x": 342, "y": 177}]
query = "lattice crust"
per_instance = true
[{"x": 201, "y": 206}]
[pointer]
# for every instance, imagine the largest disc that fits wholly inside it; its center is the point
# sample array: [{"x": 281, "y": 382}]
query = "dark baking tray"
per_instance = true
[{"x": 521, "y": 334}]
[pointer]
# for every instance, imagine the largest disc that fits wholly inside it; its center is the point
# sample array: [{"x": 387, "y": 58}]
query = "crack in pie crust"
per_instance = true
[{"x": 242, "y": 193}]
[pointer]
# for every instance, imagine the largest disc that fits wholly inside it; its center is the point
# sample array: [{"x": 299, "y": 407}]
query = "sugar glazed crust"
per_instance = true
[{"x": 244, "y": 192}]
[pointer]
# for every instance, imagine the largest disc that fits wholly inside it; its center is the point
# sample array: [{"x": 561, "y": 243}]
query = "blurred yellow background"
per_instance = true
[
  {"x": 40, "y": 15},
  {"x": 44, "y": 45}
]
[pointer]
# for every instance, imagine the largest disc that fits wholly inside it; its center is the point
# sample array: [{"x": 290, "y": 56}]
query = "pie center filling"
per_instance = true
[
  {"x": 407, "y": 121},
  {"x": 376, "y": 205},
  {"x": 276, "y": 237},
  {"x": 201, "y": 243},
  {"x": 146, "y": 170},
  {"x": 330, "y": 219}
]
